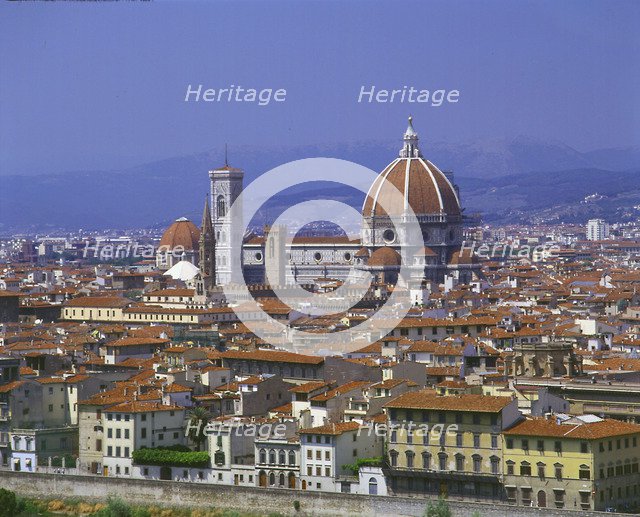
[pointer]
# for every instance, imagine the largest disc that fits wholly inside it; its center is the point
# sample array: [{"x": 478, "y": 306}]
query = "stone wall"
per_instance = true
[{"x": 251, "y": 499}]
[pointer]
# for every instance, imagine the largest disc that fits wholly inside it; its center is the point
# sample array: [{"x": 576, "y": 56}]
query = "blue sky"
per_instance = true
[{"x": 102, "y": 85}]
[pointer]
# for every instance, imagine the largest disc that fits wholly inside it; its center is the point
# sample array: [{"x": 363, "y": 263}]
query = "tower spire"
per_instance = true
[
  {"x": 410, "y": 147},
  {"x": 226, "y": 161},
  {"x": 207, "y": 261}
]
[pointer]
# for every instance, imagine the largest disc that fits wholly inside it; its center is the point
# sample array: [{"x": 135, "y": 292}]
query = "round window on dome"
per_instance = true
[
  {"x": 347, "y": 256},
  {"x": 258, "y": 256},
  {"x": 317, "y": 256},
  {"x": 389, "y": 235}
]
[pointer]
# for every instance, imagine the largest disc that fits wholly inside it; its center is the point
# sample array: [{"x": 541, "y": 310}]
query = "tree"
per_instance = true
[
  {"x": 439, "y": 509},
  {"x": 198, "y": 419},
  {"x": 8, "y": 503}
]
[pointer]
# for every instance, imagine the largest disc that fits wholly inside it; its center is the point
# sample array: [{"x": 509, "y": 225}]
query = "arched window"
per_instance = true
[
  {"x": 281, "y": 480},
  {"x": 393, "y": 456},
  {"x": 272, "y": 479},
  {"x": 409, "y": 455},
  {"x": 222, "y": 206},
  {"x": 292, "y": 458},
  {"x": 373, "y": 486},
  {"x": 263, "y": 456},
  {"x": 426, "y": 460},
  {"x": 272, "y": 456},
  {"x": 282, "y": 458}
]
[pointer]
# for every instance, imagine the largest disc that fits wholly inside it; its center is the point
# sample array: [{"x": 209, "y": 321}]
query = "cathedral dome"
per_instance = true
[
  {"x": 385, "y": 256},
  {"x": 423, "y": 186},
  {"x": 181, "y": 234}
]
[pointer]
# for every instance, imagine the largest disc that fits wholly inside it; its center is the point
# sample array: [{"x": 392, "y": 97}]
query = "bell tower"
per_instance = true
[{"x": 226, "y": 186}]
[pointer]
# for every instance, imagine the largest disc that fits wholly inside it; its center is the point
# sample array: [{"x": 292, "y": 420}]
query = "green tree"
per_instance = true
[
  {"x": 439, "y": 509},
  {"x": 198, "y": 419},
  {"x": 8, "y": 503}
]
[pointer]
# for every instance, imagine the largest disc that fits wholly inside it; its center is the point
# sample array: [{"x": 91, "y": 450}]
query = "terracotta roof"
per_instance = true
[
  {"x": 141, "y": 407},
  {"x": 427, "y": 399},
  {"x": 308, "y": 387},
  {"x": 583, "y": 431},
  {"x": 272, "y": 356},
  {"x": 137, "y": 341},
  {"x": 6, "y": 388},
  {"x": 332, "y": 429},
  {"x": 98, "y": 301}
]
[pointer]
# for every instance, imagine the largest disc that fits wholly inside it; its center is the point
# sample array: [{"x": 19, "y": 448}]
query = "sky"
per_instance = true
[{"x": 101, "y": 85}]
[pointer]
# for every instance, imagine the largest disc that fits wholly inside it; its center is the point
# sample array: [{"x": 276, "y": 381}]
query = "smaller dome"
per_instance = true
[
  {"x": 460, "y": 257},
  {"x": 385, "y": 256},
  {"x": 183, "y": 270},
  {"x": 181, "y": 234},
  {"x": 362, "y": 252},
  {"x": 426, "y": 251}
]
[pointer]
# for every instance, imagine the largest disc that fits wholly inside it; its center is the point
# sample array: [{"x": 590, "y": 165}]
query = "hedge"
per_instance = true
[{"x": 176, "y": 456}]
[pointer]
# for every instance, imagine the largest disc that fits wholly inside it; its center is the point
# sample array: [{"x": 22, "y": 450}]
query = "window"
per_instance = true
[
  {"x": 272, "y": 456},
  {"x": 584, "y": 472},
  {"x": 494, "y": 441},
  {"x": 282, "y": 458},
  {"x": 541, "y": 445},
  {"x": 109, "y": 451},
  {"x": 584, "y": 447},
  {"x": 558, "y": 469},
  {"x": 559, "y": 497},
  {"x": 525, "y": 445},
  {"x": 426, "y": 460},
  {"x": 409, "y": 455},
  {"x": 525, "y": 469},
  {"x": 222, "y": 208},
  {"x": 458, "y": 439},
  {"x": 110, "y": 433},
  {"x": 118, "y": 434},
  {"x": 476, "y": 419},
  {"x": 459, "y": 462},
  {"x": 442, "y": 458},
  {"x": 557, "y": 446},
  {"x": 509, "y": 443},
  {"x": 309, "y": 454},
  {"x": 292, "y": 458},
  {"x": 327, "y": 455},
  {"x": 477, "y": 463},
  {"x": 393, "y": 455},
  {"x": 476, "y": 440},
  {"x": 263, "y": 456},
  {"x": 510, "y": 468},
  {"x": 143, "y": 432},
  {"x": 541, "y": 473},
  {"x": 495, "y": 465},
  {"x": 526, "y": 497}
]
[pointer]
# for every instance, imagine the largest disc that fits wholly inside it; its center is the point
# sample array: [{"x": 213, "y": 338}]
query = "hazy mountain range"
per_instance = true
[{"x": 522, "y": 179}]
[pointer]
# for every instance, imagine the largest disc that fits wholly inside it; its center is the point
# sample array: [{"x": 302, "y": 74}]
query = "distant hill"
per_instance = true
[{"x": 496, "y": 177}]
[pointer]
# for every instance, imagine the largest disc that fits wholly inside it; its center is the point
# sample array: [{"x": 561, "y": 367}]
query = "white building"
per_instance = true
[
  {"x": 597, "y": 230},
  {"x": 132, "y": 425},
  {"x": 325, "y": 450}
]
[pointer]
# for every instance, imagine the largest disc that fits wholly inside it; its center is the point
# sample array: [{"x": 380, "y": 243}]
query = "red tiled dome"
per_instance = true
[
  {"x": 423, "y": 186},
  {"x": 385, "y": 256},
  {"x": 182, "y": 233}
]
